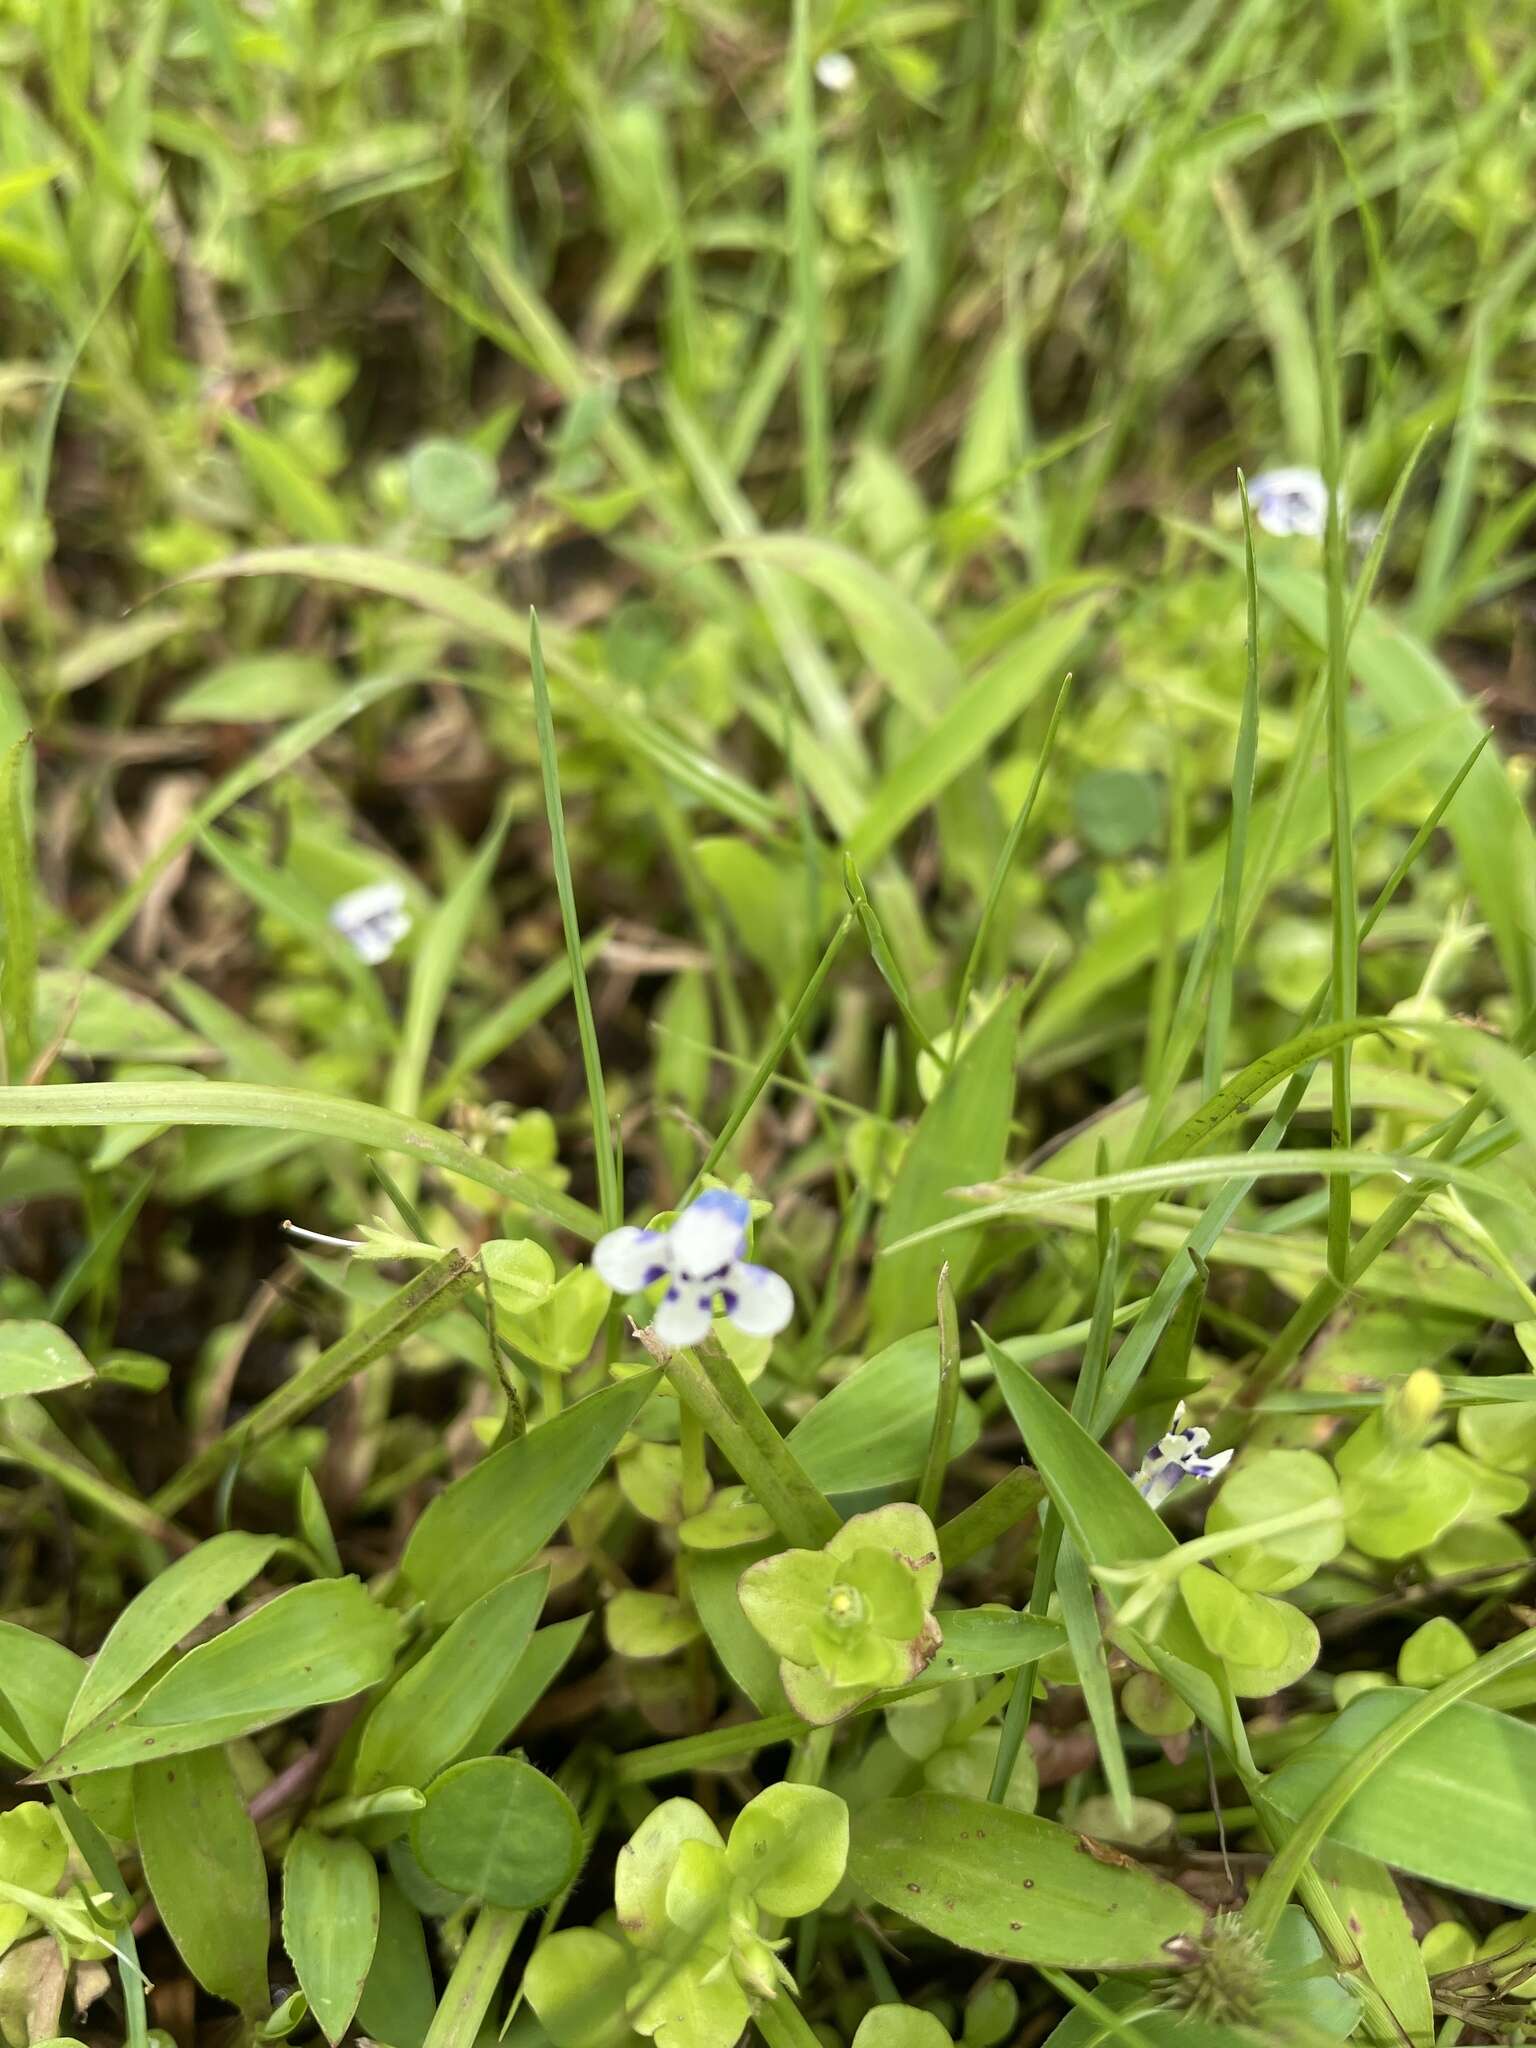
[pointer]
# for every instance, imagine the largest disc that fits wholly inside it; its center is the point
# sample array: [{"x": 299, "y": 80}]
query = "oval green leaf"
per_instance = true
[
  {"x": 203, "y": 1861},
  {"x": 1012, "y": 1885},
  {"x": 330, "y": 1922},
  {"x": 496, "y": 1829},
  {"x": 496, "y": 1519},
  {"x": 36, "y": 1358}
]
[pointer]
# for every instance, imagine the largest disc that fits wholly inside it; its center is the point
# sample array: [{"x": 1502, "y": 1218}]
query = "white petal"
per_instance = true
[
  {"x": 709, "y": 1235},
  {"x": 373, "y": 920},
  {"x": 683, "y": 1316},
  {"x": 630, "y": 1259},
  {"x": 757, "y": 1301},
  {"x": 1288, "y": 501}
]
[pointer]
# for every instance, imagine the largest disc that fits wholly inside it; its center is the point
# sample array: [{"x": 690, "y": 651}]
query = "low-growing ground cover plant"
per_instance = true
[{"x": 767, "y": 1146}]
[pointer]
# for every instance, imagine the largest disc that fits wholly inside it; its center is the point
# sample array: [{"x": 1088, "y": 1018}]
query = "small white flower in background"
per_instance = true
[
  {"x": 1178, "y": 1455},
  {"x": 835, "y": 71},
  {"x": 373, "y": 920},
  {"x": 1291, "y": 501},
  {"x": 701, "y": 1258}
]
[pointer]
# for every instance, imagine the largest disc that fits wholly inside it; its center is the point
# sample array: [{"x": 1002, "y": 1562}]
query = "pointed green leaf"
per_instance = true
[
  {"x": 496, "y": 1519},
  {"x": 330, "y": 1922},
  {"x": 1012, "y": 1885},
  {"x": 206, "y": 1875}
]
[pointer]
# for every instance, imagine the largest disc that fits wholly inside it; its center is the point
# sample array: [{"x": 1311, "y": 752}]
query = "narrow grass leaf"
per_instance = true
[
  {"x": 171, "y": 1606},
  {"x": 964, "y": 1125},
  {"x": 610, "y": 1198},
  {"x": 234, "y": 1104},
  {"x": 431, "y": 1711},
  {"x": 18, "y": 907},
  {"x": 495, "y": 1520}
]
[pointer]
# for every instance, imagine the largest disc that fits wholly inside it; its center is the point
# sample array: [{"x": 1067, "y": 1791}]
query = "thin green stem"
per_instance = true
[
  {"x": 732, "y": 1414},
  {"x": 767, "y": 1066},
  {"x": 931, "y": 1485},
  {"x": 468, "y": 1993}
]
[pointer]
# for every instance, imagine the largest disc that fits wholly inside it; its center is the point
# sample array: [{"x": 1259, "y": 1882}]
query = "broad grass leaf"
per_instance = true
[
  {"x": 498, "y": 1830},
  {"x": 169, "y": 1608},
  {"x": 499, "y": 1516},
  {"x": 290, "y": 487},
  {"x": 330, "y": 1923},
  {"x": 292, "y": 1110},
  {"x": 399, "y": 1997},
  {"x": 431, "y": 1711},
  {"x": 548, "y": 1652},
  {"x": 979, "y": 1642},
  {"x": 311, "y": 1645},
  {"x": 1456, "y": 1805},
  {"x": 256, "y": 689},
  {"x": 900, "y": 643},
  {"x": 961, "y": 1136},
  {"x": 39, "y": 1679},
  {"x": 203, "y": 1860},
  {"x": 1104, "y": 1514},
  {"x": 105, "y": 1022},
  {"x": 1366, "y": 1897},
  {"x": 1012, "y": 1885},
  {"x": 37, "y": 1358},
  {"x": 872, "y": 1429}
]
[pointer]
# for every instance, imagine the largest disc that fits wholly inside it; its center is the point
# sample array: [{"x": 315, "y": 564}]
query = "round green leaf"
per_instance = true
[
  {"x": 521, "y": 1273},
  {"x": 496, "y": 1829},
  {"x": 451, "y": 484},
  {"x": 1116, "y": 811},
  {"x": 645, "y": 1866},
  {"x": 576, "y": 1983},
  {"x": 789, "y": 1845},
  {"x": 1271, "y": 1484},
  {"x": 900, "y": 2026}
]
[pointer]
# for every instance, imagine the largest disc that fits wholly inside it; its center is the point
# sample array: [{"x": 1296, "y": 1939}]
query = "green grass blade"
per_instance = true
[
  {"x": 435, "y": 963},
  {"x": 18, "y": 906},
  {"x": 768, "y": 1065},
  {"x": 805, "y": 255},
  {"x": 378, "y": 1333},
  {"x": 931, "y": 1485},
  {"x": 247, "y": 1105},
  {"x": 609, "y": 1196},
  {"x": 1005, "y": 859},
  {"x": 1244, "y": 763}
]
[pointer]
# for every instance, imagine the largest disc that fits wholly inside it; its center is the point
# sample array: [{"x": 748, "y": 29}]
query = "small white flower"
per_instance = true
[
  {"x": 373, "y": 920},
  {"x": 701, "y": 1257},
  {"x": 1178, "y": 1455},
  {"x": 835, "y": 71},
  {"x": 1292, "y": 501}
]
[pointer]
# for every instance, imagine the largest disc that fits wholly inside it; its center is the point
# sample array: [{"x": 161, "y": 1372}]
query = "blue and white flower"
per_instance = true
[
  {"x": 1179, "y": 1455},
  {"x": 700, "y": 1259},
  {"x": 1292, "y": 501},
  {"x": 373, "y": 920}
]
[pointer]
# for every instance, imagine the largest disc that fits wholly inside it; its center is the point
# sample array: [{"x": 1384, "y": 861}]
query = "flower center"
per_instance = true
[{"x": 845, "y": 1607}]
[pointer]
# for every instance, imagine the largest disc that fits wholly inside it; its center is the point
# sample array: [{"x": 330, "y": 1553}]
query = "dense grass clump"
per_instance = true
[{"x": 769, "y": 1166}]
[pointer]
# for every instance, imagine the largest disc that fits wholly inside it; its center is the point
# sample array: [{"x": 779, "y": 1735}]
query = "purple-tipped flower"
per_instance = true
[
  {"x": 1291, "y": 501},
  {"x": 373, "y": 920},
  {"x": 700, "y": 1258},
  {"x": 1181, "y": 1454}
]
